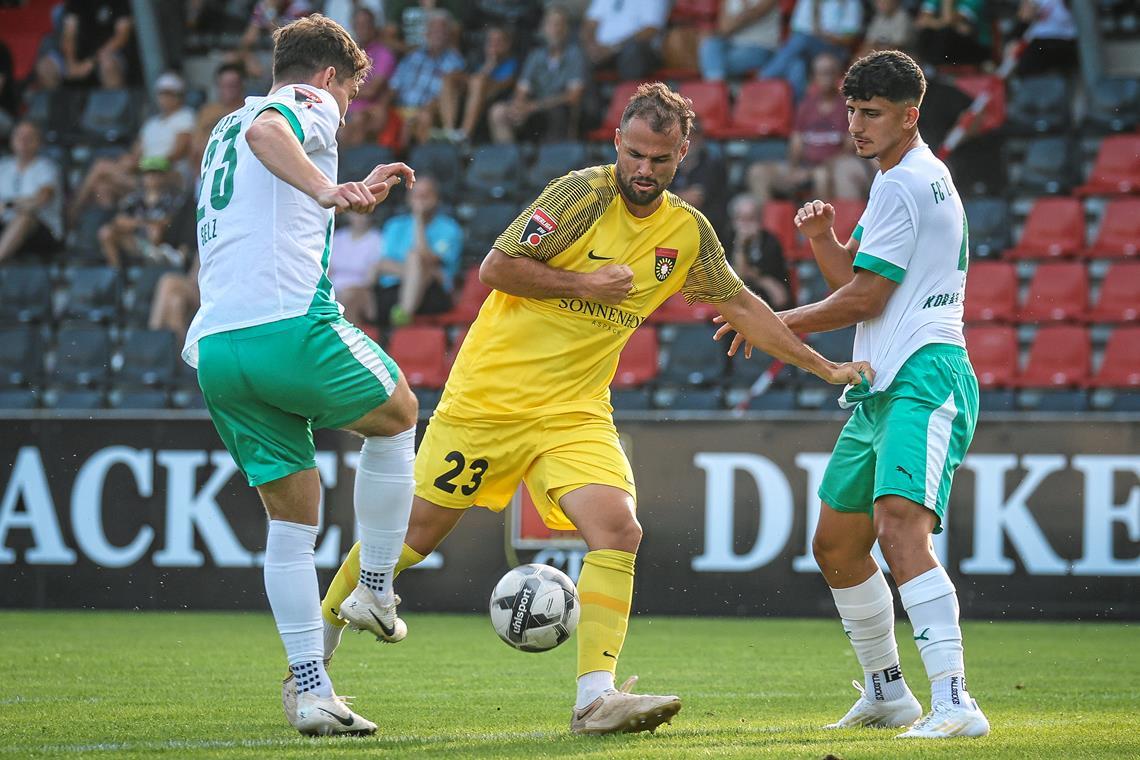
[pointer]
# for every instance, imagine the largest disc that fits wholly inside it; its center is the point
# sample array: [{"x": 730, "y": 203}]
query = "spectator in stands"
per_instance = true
[
  {"x": 344, "y": 12},
  {"x": 229, "y": 96},
  {"x": 891, "y": 28},
  {"x": 702, "y": 180},
  {"x": 406, "y": 21},
  {"x": 548, "y": 95},
  {"x": 367, "y": 34},
  {"x": 419, "y": 77},
  {"x": 257, "y": 42},
  {"x": 757, "y": 255},
  {"x": 488, "y": 81},
  {"x": 93, "y": 29},
  {"x": 176, "y": 300},
  {"x": 421, "y": 259},
  {"x": 1052, "y": 37},
  {"x": 624, "y": 35},
  {"x": 139, "y": 229},
  {"x": 358, "y": 248},
  {"x": 31, "y": 196},
  {"x": 953, "y": 32},
  {"x": 746, "y": 37},
  {"x": 817, "y": 26},
  {"x": 821, "y": 157}
]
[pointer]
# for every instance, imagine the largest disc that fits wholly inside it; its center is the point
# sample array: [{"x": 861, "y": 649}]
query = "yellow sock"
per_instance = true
[
  {"x": 349, "y": 574},
  {"x": 605, "y": 588}
]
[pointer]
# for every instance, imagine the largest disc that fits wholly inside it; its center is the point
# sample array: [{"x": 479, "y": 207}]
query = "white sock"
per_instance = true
[
  {"x": 868, "y": 615},
  {"x": 592, "y": 685},
  {"x": 291, "y": 585},
  {"x": 932, "y": 605},
  {"x": 383, "y": 498},
  {"x": 332, "y": 634}
]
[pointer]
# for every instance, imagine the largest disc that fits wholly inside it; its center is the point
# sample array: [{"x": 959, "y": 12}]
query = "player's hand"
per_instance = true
[
  {"x": 349, "y": 196},
  {"x": 737, "y": 340},
  {"x": 850, "y": 373},
  {"x": 611, "y": 284},
  {"x": 815, "y": 218},
  {"x": 396, "y": 172}
]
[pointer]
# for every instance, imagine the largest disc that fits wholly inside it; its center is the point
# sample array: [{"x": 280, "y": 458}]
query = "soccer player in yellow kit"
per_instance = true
[{"x": 528, "y": 398}]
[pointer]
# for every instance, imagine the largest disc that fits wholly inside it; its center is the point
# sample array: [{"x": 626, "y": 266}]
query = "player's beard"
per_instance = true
[{"x": 640, "y": 197}]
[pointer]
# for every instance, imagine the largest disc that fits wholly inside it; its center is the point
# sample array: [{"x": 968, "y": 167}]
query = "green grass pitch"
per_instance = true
[{"x": 123, "y": 685}]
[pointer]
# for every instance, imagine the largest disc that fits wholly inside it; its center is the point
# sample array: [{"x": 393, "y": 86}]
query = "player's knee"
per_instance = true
[
  {"x": 825, "y": 549},
  {"x": 627, "y": 535}
]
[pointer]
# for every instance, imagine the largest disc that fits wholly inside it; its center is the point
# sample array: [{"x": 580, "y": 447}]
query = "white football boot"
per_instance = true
[
  {"x": 289, "y": 693},
  {"x": 619, "y": 711},
  {"x": 363, "y": 611},
  {"x": 870, "y": 713},
  {"x": 947, "y": 719},
  {"x": 328, "y": 716}
]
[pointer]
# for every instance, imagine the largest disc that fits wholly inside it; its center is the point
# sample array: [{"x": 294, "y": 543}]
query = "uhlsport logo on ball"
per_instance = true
[{"x": 534, "y": 608}]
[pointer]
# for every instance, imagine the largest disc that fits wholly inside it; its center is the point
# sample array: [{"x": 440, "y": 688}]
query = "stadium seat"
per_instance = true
[
  {"x": 1055, "y": 227},
  {"x": 83, "y": 400},
  {"x": 637, "y": 364},
  {"x": 421, "y": 354},
  {"x": 92, "y": 295},
  {"x": 1119, "y": 299},
  {"x": 137, "y": 301},
  {"x": 836, "y": 345},
  {"x": 993, "y": 352},
  {"x": 676, "y": 309},
  {"x": 710, "y": 103},
  {"x": 631, "y": 399},
  {"x": 148, "y": 359},
  {"x": 773, "y": 400},
  {"x": 619, "y": 99},
  {"x": 1117, "y": 167},
  {"x": 453, "y": 348},
  {"x": 20, "y": 398},
  {"x": 554, "y": 160},
  {"x": 997, "y": 400},
  {"x": 989, "y": 221},
  {"x": 742, "y": 373},
  {"x": 994, "y": 113},
  {"x": 1058, "y": 292},
  {"x": 699, "y": 13},
  {"x": 991, "y": 292},
  {"x": 132, "y": 399},
  {"x": 496, "y": 171},
  {"x": 488, "y": 222},
  {"x": 764, "y": 108},
  {"x": 1120, "y": 367},
  {"x": 110, "y": 116},
  {"x": 471, "y": 298},
  {"x": 1049, "y": 166},
  {"x": 693, "y": 358},
  {"x": 1113, "y": 105},
  {"x": 25, "y": 294},
  {"x": 441, "y": 161},
  {"x": 779, "y": 219},
  {"x": 1048, "y": 400},
  {"x": 689, "y": 399},
  {"x": 1039, "y": 105},
  {"x": 1059, "y": 357},
  {"x": 20, "y": 356},
  {"x": 356, "y": 162},
  {"x": 1119, "y": 233},
  {"x": 82, "y": 357}
]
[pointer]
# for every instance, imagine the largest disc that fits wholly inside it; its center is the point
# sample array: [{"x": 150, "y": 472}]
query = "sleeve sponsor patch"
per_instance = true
[{"x": 537, "y": 227}]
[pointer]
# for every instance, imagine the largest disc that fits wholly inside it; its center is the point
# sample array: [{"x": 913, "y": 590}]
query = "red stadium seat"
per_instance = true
[
  {"x": 711, "y": 104},
  {"x": 764, "y": 108},
  {"x": 993, "y": 352},
  {"x": 1117, "y": 167},
  {"x": 1055, "y": 227},
  {"x": 779, "y": 219},
  {"x": 618, "y": 101},
  {"x": 847, "y": 215},
  {"x": 991, "y": 292},
  {"x": 1119, "y": 299},
  {"x": 1059, "y": 358},
  {"x": 1121, "y": 365},
  {"x": 993, "y": 115},
  {"x": 676, "y": 310},
  {"x": 1059, "y": 291},
  {"x": 471, "y": 297},
  {"x": 701, "y": 13},
  {"x": 420, "y": 352},
  {"x": 22, "y": 29},
  {"x": 1119, "y": 234},
  {"x": 638, "y": 362}
]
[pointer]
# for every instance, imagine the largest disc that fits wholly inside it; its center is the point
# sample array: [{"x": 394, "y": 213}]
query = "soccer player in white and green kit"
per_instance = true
[
  {"x": 901, "y": 279},
  {"x": 276, "y": 359}
]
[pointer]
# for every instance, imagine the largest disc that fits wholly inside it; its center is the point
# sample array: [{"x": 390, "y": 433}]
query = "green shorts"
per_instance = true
[
  {"x": 268, "y": 386},
  {"x": 909, "y": 439}
]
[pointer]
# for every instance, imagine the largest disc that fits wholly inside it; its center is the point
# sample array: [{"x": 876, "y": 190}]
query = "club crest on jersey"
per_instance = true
[
  {"x": 537, "y": 227},
  {"x": 306, "y": 98},
  {"x": 666, "y": 260}
]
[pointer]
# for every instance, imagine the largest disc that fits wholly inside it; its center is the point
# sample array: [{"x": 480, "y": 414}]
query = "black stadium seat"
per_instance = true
[
  {"x": 19, "y": 399},
  {"x": 1039, "y": 105},
  {"x": 1113, "y": 105},
  {"x": 130, "y": 399},
  {"x": 442, "y": 162},
  {"x": 25, "y": 294},
  {"x": 554, "y": 160},
  {"x": 137, "y": 305},
  {"x": 84, "y": 400},
  {"x": 356, "y": 162},
  {"x": 110, "y": 116},
  {"x": 495, "y": 172},
  {"x": 21, "y": 356},
  {"x": 989, "y": 225},
  {"x": 148, "y": 359},
  {"x": 1049, "y": 166},
  {"x": 82, "y": 357},
  {"x": 694, "y": 358},
  {"x": 92, "y": 295},
  {"x": 486, "y": 225}
]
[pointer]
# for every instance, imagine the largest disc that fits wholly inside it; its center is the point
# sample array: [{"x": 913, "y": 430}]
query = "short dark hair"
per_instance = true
[
  {"x": 308, "y": 45},
  {"x": 226, "y": 68},
  {"x": 661, "y": 107},
  {"x": 890, "y": 74}
]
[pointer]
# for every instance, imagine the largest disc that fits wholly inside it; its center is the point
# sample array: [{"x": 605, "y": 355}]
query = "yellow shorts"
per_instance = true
[{"x": 466, "y": 463}]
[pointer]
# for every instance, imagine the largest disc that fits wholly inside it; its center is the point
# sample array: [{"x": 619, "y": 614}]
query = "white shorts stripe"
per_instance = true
[
  {"x": 938, "y": 430},
  {"x": 354, "y": 340}
]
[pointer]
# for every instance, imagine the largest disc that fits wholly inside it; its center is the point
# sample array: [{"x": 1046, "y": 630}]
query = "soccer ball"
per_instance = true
[{"x": 534, "y": 608}]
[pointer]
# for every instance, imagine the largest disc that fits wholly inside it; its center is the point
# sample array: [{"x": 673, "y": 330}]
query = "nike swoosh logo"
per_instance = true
[
  {"x": 607, "y": 653},
  {"x": 343, "y": 721},
  {"x": 388, "y": 630},
  {"x": 591, "y": 255}
]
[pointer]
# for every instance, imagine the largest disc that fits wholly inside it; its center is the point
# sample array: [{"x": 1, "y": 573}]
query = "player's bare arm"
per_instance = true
[
  {"x": 759, "y": 325},
  {"x": 530, "y": 278},
  {"x": 815, "y": 220}
]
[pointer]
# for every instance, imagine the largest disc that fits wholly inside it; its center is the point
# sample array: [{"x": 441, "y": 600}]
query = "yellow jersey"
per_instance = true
[{"x": 531, "y": 357}]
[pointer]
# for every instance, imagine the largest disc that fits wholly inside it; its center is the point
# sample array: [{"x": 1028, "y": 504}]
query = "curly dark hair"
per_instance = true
[
  {"x": 890, "y": 74},
  {"x": 661, "y": 107}
]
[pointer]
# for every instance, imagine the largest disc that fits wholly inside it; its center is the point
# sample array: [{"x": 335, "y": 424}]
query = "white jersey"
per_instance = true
[
  {"x": 264, "y": 246},
  {"x": 914, "y": 233}
]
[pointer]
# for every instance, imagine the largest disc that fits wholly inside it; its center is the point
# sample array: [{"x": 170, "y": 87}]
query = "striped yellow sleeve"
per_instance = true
[
  {"x": 564, "y": 211},
  {"x": 710, "y": 279}
]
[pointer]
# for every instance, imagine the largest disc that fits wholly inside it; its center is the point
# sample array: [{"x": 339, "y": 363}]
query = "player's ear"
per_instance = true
[
  {"x": 684, "y": 151},
  {"x": 910, "y": 120},
  {"x": 617, "y": 139},
  {"x": 328, "y": 76}
]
